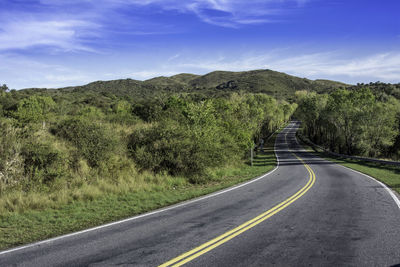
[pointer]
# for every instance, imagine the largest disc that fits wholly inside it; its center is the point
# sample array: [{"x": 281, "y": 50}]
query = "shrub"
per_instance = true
[
  {"x": 190, "y": 137},
  {"x": 173, "y": 147},
  {"x": 122, "y": 113},
  {"x": 34, "y": 109},
  {"x": 148, "y": 111},
  {"x": 11, "y": 161},
  {"x": 91, "y": 113},
  {"x": 43, "y": 164},
  {"x": 92, "y": 140}
]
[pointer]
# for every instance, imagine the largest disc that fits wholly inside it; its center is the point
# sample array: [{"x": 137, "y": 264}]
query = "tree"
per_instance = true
[
  {"x": 34, "y": 109},
  {"x": 380, "y": 131},
  {"x": 350, "y": 121},
  {"x": 122, "y": 107},
  {"x": 310, "y": 108},
  {"x": 11, "y": 161},
  {"x": 4, "y": 88}
]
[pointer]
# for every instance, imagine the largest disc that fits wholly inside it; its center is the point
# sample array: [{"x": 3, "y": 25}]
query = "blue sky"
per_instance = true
[{"x": 55, "y": 43}]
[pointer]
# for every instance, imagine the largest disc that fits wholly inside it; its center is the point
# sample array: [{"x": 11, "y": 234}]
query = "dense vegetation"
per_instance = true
[
  {"x": 63, "y": 141},
  {"x": 218, "y": 83},
  {"x": 184, "y": 125},
  {"x": 382, "y": 91},
  {"x": 362, "y": 120},
  {"x": 75, "y": 157}
]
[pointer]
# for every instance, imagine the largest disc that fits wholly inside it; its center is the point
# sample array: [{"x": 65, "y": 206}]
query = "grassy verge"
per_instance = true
[
  {"x": 27, "y": 225},
  {"x": 388, "y": 174}
]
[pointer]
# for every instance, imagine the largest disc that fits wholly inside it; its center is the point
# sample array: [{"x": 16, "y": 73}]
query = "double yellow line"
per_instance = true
[{"x": 204, "y": 248}]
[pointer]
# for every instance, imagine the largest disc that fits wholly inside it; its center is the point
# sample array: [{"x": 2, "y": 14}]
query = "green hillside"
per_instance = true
[{"x": 277, "y": 84}]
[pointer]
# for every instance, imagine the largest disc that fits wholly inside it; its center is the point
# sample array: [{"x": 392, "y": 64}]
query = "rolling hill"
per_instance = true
[{"x": 277, "y": 84}]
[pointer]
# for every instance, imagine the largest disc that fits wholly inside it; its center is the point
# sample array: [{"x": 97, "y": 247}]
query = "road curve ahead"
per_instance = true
[{"x": 308, "y": 211}]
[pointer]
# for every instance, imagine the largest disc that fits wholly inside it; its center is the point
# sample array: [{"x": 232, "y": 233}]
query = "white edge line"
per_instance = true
[
  {"x": 395, "y": 198},
  {"x": 185, "y": 203}
]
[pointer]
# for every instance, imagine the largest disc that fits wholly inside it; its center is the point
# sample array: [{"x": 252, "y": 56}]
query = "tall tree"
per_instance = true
[
  {"x": 34, "y": 109},
  {"x": 350, "y": 121},
  {"x": 3, "y": 88}
]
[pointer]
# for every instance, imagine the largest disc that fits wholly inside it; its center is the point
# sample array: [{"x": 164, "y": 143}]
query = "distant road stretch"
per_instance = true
[{"x": 307, "y": 211}]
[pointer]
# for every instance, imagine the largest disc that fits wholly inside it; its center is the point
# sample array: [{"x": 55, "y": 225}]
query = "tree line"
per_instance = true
[{"x": 354, "y": 121}]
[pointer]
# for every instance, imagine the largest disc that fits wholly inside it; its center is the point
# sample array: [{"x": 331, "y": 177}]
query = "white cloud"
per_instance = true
[
  {"x": 60, "y": 34},
  {"x": 225, "y": 13},
  {"x": 69, "y": 25},
  {"x": 330, "y": 65},
  {"x": 230, "y": 13},
  {"x": 20, "y": 72},
  {"x": 171, "y": 58},
  {"x": 381, "y": 66}
]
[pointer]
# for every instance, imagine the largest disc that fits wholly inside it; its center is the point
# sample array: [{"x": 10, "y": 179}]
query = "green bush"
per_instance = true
[
  {"x": 122, "y": 113},
  {"x": 90, "y": 138},
  {"x": 147, "y": 111},
  {"x": 11, "y": 161},
  {"x": 190, "y": 137},
  {"x": 42, "y": 163},
  {"x": 172, "y": 147},
  {"x": 34, "y": 109},
  {"x": 91, "y": 113}
]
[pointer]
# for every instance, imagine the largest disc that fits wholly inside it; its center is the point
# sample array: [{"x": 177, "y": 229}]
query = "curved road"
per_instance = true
[{"x": 308, "y": 211}]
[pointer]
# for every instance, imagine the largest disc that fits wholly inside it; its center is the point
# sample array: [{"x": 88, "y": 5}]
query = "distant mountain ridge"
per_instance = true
[{"x": 278, "y": 84}]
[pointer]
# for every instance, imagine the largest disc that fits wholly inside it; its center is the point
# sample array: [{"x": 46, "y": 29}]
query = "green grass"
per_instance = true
[
  {"x": 103, "y": 202},
  {"x": 388, "y": 174}
]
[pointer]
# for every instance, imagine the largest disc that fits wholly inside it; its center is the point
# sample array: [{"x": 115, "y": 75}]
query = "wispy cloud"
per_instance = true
[
  {"x": 20, "y": 72},
  {"x": 69, "y": 25},
  {"x": 381, "y": 66},
  {"x": 330, "y": 65},
  {"x": 61, "y": 34},
  {"x": 225, "y": 13},
  {"x": 228, "y": 13},
  {"x": 171, "y": 58},
  {"x": 129, "y": 38}
]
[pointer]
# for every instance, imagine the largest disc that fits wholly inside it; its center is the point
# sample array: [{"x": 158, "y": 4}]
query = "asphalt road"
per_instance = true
[{"x": 308, "y": 211}]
